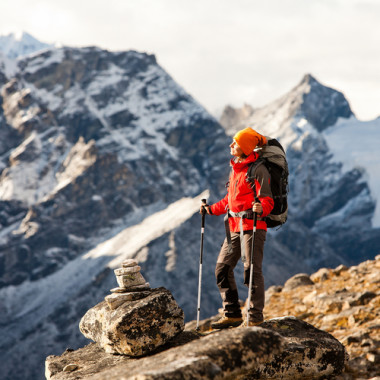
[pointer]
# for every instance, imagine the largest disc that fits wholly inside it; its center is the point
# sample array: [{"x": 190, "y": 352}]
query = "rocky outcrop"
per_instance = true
[
  {"x": 344, "y": 302},
  {"x": 280, "y": 348},
  {"x": 135, "y": 321},
  {"x": 329, "y": 330}
]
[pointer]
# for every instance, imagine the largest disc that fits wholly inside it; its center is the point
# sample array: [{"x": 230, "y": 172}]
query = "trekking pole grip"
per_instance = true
[{"x": 204, "y": 203}]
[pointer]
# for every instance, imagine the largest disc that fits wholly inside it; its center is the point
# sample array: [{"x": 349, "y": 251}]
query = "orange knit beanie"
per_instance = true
[{"x": 248, "y": 139}]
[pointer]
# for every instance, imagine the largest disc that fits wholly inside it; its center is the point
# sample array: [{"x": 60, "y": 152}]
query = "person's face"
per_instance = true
[{"x": 235, "y": 149}]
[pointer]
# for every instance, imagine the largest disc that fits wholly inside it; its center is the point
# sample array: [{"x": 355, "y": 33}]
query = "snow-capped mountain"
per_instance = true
[
  {"x": 16, "y": 45},
  {"x": 94, "y": 144},
  {"x": 81, "y": 120},
  {"x": 104, "y": 157},
  {"x": 334, "y": 169}
]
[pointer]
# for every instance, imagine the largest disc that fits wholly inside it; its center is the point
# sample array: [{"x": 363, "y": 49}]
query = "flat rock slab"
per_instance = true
[
  {"x": 129, "y": 263},
  {"x": 130, "y": 279},
  {"x": 135, "y": 288},
  {"x": 227, "y": 353},
  {"x": 117, "y": 299},
  {"x": 127, "y": 270},
  {"x": 90, "y": 360},
  {"x": 135, "y": 328}
]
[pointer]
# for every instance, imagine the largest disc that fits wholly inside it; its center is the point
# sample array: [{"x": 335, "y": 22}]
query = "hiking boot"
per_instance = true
[
  {"x": 251, "y": 323},
  {"x": 225, "y": 322}
]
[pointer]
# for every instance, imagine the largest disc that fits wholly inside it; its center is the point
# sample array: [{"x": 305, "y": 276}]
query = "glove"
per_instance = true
[{"x": 205, "y": 207}]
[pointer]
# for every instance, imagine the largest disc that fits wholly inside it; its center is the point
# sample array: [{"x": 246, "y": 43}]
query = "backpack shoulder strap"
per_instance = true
[{"x": 251, "y": 172}]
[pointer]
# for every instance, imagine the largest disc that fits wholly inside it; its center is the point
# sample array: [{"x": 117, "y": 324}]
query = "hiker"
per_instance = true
[{"x": 240, "y": 198}]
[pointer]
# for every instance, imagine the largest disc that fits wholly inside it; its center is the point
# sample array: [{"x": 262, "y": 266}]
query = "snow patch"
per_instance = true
[
  {"x": 131, "y": 240},
  {"x": 40, "y": 61},
  {"x": 34, "y": 164},
  {"x": 106, "y": 78},
  {"x": 77, "y": 161},
  {"x": 350, "y": 213},
  {"x": 48, "y": 98}
]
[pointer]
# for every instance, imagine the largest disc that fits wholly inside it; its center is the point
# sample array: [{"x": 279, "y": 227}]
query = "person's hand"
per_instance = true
[
  {"x": 205, "y": 207},
  {"x": 258, "y": 208}
]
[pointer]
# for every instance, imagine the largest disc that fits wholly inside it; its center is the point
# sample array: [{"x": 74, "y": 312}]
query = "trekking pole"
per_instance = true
[
  {"x": 251, "y": 285},
  {"x": 204, "y": 202}
]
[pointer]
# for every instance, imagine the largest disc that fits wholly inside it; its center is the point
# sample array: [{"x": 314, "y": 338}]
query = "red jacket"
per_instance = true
[{"x": 240, "y": 195}]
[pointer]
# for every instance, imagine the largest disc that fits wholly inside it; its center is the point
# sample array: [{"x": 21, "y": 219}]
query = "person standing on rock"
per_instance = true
[{"x": 239, "y": 205}]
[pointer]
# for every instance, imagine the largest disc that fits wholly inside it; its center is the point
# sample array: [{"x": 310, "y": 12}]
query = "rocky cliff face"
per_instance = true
[{"x": 92, "y": 136}]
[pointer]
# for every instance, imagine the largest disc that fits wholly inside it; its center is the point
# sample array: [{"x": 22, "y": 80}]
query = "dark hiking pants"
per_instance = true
[{"x": 225, "y": 278}]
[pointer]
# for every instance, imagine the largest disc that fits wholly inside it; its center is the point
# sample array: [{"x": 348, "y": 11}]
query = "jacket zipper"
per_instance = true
[{"x": 235, "y": 190}]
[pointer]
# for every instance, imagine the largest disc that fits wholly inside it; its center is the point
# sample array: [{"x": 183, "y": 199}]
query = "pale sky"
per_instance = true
[{"x": 226, "y": 51}]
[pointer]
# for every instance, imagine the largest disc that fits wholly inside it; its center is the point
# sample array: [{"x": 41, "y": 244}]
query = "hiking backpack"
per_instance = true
[{"x": 273, "y": 157}]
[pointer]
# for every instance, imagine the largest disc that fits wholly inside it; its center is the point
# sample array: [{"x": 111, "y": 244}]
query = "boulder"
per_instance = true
[
  {"x": 300, "y": 279},
  {"x": 322, "y": 274},
  {"x": 117, "y": 299},
  {"x": 309, "y": 353},
  {"x": 135, "y": 327}
]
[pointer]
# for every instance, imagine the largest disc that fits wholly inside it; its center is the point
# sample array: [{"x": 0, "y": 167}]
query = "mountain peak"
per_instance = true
[
  {"x": 18, "y": 44},
  {"x": 308, "y": 78},
  {"x": 320, "y": 105}
]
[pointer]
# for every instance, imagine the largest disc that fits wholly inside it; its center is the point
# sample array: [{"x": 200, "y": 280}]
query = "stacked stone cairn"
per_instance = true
[
  {"x": 135, "y": 319},
  {"x": 132, "y": 285}
]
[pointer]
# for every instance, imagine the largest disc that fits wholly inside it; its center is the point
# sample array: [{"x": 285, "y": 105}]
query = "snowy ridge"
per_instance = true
[
  {"x": 355, "y": 144},
  {"x": 42, "y": 61},
  {"x": 308, "y": 108},
  {"x": 144, "y": 101}
]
